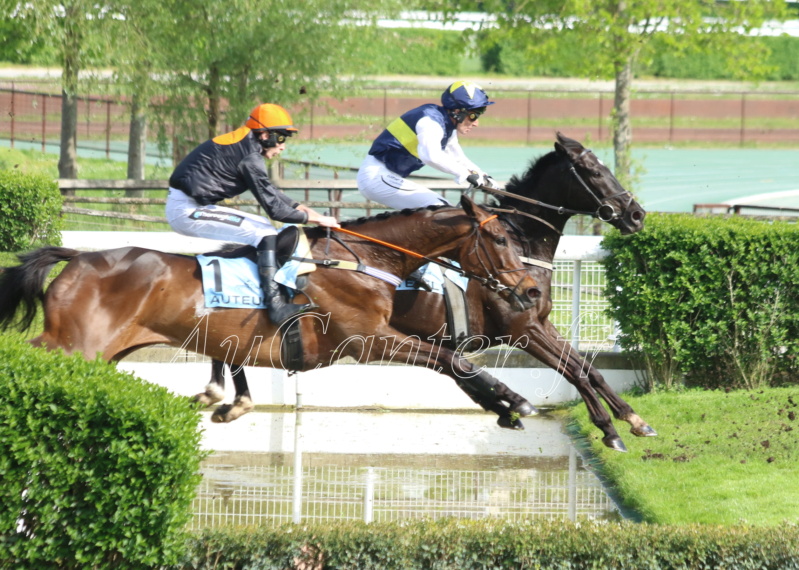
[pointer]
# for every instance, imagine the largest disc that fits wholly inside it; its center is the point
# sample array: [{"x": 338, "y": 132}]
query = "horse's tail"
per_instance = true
[{"x": 23, "y": 285}]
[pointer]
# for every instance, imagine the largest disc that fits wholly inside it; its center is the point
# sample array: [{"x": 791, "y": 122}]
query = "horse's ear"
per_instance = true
[
  {"x": 468, "y": 206},
  {"x": 559, "y": 148}
]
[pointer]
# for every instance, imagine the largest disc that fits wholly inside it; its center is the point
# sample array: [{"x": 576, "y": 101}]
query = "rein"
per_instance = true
[
  {"x": 489, "y": 281},
  {"x": 601, "y": 204}
]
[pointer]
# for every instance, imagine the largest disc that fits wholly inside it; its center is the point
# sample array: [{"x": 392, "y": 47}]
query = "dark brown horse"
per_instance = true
[
  {"x": 567, "y": 181},
  {"x": 110, "y": 303}
]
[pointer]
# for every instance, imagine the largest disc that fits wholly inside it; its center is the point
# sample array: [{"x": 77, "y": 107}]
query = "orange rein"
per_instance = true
[{"x": 396, "y": 247}]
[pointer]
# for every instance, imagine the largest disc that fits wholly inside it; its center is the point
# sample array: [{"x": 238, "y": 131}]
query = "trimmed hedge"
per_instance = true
[
  {"x": 494, "y": 544},
  {"x": 30, "y": 211},
  {"x": 98, "y": 467},
  {"x": 714, "y": 301}
]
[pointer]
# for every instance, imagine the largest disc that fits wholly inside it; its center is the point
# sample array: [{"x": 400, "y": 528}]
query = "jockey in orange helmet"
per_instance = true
[{"x": 227, "y": 166}]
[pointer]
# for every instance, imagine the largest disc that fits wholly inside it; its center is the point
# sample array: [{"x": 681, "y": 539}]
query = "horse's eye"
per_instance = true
[{"x": 501, "y": 241}]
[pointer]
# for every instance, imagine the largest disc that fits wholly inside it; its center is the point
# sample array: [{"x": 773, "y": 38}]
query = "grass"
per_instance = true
[{"x": 720, "y": 458}]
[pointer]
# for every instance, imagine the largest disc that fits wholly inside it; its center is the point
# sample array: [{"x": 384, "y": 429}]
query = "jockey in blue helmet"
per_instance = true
[{"x": 426, "y": 135}]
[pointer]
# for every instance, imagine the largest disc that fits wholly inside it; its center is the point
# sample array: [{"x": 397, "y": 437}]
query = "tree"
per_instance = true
[
  {"x": 226, "y": 56},
  {"x": 612, "y": 33},
  {"x": 74, "y": 29}
]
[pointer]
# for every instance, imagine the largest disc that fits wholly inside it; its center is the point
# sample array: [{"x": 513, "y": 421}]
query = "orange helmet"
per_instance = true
[{"x": 270, "y": 116}]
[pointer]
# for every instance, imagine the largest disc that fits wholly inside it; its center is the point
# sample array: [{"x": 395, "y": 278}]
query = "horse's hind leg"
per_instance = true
[
  {"x": 491, "y": 394},
  {"x": 215, "y": 389},
  {"x": 242, "y": 403}
]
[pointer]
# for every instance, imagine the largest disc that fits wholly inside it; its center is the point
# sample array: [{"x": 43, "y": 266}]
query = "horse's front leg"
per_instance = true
[
  {"x": 620, "y": 408},
  {"x": 548, "y": 345}
]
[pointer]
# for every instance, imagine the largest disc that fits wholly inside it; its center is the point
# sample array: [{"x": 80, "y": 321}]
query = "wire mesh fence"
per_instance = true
[{"x": 262, "y": 495}]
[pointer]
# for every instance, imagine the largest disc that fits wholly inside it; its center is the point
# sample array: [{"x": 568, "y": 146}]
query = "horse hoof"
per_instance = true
[
  {"x": 524, "y": 409},
  {"x": 507, "y": 423},
  {"x": 645, "y": 431},
  {"x": 614, "y": 442}
]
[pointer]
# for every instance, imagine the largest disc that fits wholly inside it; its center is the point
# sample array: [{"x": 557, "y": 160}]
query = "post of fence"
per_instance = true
[
  {"x": 297, "y": 491},
  {"x": 576, "y": 277},
  {"x": 529, "y": 114},
  {"x": 671, "y": 119},
  {"x": 13, "y": 97},
  {"x": 369, "y": 496},
  {"x": 108, "y": 129},
  {"x": 599, "y": 116},
  {"x": 44, "y": 120},
  {"x": 743, "y": 118},
  {"x": 572, "y": 509}
]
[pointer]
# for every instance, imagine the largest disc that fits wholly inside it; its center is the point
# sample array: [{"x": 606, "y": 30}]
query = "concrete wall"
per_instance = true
[{"x": 376, "y": 386}]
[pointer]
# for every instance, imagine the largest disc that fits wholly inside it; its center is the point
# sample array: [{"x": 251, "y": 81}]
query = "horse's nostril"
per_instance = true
[
  {"x": 533, "y": 293},
  {"x": 637, "y": 216}
]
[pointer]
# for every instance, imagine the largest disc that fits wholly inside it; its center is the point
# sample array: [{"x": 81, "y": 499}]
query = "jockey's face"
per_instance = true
[
  {"x": 467, "y": 124},
  {"x": 273, "y": 151}
]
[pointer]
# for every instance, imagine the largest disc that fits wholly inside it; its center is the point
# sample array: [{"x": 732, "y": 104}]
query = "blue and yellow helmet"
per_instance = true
[{"x": 464, "y": 95}]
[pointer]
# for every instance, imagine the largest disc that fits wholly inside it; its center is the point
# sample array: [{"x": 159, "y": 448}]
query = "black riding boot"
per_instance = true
[{"x": 279, "y": 309}]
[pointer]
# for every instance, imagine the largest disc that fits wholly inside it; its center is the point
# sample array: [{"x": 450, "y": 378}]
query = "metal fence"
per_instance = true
[
  {"x": 30, "y": 113},
  {"x": 262, "y": 495}
]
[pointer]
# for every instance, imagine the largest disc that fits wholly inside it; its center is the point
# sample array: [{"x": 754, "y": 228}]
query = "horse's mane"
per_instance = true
[{"x": 524, "y": 184}]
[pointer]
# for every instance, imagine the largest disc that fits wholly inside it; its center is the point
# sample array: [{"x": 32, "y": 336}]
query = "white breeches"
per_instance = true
[
  {"x": 380, "y": 184},
  {"x": 189, "y": 218}
]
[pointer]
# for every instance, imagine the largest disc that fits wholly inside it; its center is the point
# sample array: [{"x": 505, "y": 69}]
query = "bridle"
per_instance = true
[
  {"x": 604, "y": 212},
  {"x": 490, "y": 282},
  {"x": 601, "y": 205}
]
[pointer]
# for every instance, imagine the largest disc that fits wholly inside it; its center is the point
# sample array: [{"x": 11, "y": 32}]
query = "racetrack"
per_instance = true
[{"x": 669, "y": 180}]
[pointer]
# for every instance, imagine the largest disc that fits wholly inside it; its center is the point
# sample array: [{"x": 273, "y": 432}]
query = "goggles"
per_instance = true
[
  {"x": 279, "y": 136},
  {"x": 474, "y": 114}
]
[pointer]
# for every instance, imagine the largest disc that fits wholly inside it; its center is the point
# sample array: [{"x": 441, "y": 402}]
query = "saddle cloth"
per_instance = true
[
  {"x": 234, "y": 283},
  {"x": 433, "y": 276}
]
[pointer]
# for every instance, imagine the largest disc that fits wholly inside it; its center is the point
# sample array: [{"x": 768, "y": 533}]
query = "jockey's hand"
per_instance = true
[
  {"x": 489, "y": 182},
  {"x": 326, "y": 222},
  {"x": 315, "y": 217},
  {"x": 473, "y": 180}
]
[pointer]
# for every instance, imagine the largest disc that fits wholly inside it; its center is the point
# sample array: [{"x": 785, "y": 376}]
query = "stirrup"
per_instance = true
[{"x": 279, "y": 315}]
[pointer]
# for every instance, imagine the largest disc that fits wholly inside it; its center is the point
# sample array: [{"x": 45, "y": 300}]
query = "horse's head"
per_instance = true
[
  {"x": 613, "y": 203},
  {"x": 572, "y": 180},
  {"x": 487, "y": 255}
]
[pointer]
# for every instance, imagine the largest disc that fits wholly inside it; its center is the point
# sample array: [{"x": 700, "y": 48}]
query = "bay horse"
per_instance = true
[
  {"x": 535, "y": 207},
  {"x": 113, "y": 302}
]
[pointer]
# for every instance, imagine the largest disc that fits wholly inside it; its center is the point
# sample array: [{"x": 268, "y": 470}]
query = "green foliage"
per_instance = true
[
  {"x": 495, "y": 544},
  {"x": 412, "y": 52},
  {"x": 713, "y": 300},
  {"x": 721, "y": 457},
  {"x": 30, "y": 211},
  {"x": 659, "y": 58},
  {"x": 98, "y": 467},
  {"x": 779, "y": 57}
]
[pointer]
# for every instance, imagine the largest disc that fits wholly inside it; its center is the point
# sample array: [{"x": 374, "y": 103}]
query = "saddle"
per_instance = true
[{"x": 287, "y": 241}]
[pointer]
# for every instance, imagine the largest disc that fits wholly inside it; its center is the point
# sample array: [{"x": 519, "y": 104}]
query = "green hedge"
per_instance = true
[
  {"x": 98, "y": 467},
  {"x": 494, "y": 544},
  {"x": 714, "y": 301},
  {"x": 30, "y": 211},
  {"x": 401, "y": 51}
]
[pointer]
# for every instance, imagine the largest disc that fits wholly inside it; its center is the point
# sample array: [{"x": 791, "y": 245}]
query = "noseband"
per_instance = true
[
  {"x": 491, "y": 282},
  {"x": 605, "y": 210}
]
